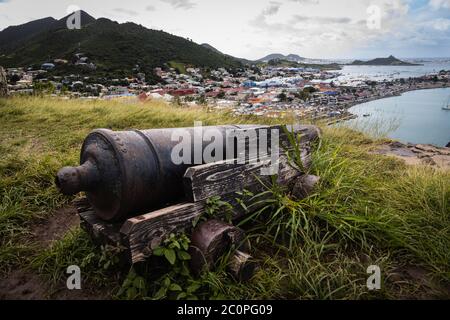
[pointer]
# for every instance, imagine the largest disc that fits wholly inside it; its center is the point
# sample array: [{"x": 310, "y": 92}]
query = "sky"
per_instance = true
[{"x": 252, "y": 29}]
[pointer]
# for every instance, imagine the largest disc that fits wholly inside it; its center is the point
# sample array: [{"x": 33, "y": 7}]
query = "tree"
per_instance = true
[
  {"x": 14, "y": 78},
  {"x": 40, "y": 88},
  {"x": 221, "y": 95},
  {"x": 283, "y": 97},
  {"x": 303, "y": 95}
]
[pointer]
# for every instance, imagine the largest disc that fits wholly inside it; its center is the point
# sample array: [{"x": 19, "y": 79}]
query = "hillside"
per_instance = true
[
  {"x": 369, "y": 209},
  {"x": 113, "y": 47},
  {"x": 13, "y": 36},
  {"x": 242, "y": 60},
  {"x": 389, "y": 61}
]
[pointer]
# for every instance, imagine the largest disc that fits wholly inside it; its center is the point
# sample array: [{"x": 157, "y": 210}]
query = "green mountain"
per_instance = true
[
  {"x": 13, "y": 36},
  {"x": 116, "y": 49},
  {"x": 389, "y": 61}
]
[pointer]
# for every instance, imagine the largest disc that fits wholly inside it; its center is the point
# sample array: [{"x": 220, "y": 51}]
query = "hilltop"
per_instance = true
[
  {"x": 389, "y": 61},
  {"x": 113, "y": 47},
  {"x": 279, "y": 56}
]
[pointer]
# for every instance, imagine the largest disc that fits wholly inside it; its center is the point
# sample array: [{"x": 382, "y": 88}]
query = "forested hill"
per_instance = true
[{"x": 113, "y": 47}]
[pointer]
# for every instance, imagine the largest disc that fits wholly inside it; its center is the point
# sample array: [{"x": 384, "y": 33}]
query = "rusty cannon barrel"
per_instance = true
[{"x": 128, "y": 172}]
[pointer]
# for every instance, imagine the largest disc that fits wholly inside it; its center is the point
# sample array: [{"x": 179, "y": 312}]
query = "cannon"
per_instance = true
[{"x": 127, "y": 173}]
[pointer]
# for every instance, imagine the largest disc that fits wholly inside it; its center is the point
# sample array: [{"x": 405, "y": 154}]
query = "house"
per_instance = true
[{"x": 47, "y": 66}]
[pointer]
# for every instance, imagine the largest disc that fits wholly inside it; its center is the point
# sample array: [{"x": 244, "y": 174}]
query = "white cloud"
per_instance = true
[
  {"x": 180, "y": 4},
  {"x": 441, "y": 24},
  {"x": 272, "y": 9},
  {"x": 438, "y": 4},
  {"x": 127, "y": 12}
]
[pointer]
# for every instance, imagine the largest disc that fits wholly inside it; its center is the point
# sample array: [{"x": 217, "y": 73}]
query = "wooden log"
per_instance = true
[
  {"x": 222, "y": 177},
  {"x": 144, "y": 233},
  {"x": 304, "y": 186},
  {"x": 101, "y": 232},
  {"x": 241, "y": 266},
  {"x": 210, "y": 240}
]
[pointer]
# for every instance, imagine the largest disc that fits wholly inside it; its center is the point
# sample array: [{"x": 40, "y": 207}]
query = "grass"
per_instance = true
[
  {"x": 368, "y": 209},
  {"x": 180, "y": 67}
]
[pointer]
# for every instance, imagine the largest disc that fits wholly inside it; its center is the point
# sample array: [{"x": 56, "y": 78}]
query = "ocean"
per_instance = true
[
  {"x": 380, "y": 73},
  {"x": 415, "y": 117}
]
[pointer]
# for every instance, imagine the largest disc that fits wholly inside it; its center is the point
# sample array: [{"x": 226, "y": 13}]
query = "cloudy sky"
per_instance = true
[{"x": 253, "y": 28}]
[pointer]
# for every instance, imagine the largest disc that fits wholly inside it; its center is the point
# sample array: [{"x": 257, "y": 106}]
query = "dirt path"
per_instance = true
[{"x": 24, "y": 284}]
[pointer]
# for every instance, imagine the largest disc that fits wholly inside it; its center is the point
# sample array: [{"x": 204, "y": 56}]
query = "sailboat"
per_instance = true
[{"x": 448, "y": 105}]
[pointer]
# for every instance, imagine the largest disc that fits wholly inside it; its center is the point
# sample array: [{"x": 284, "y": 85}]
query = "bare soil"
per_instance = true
[
  {"x": 54, "y": 228},
  {"x": 24, "y": 284}
]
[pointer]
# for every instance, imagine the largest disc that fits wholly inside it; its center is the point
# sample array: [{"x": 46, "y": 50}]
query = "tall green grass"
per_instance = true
[{"x": 368, "y": 209}]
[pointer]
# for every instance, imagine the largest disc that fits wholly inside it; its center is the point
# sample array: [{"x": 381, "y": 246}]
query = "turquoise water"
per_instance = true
[{"x": 415, "y": 117}]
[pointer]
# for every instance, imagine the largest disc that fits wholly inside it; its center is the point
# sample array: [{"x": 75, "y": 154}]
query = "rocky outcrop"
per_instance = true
[
  {"x": 423, "y": 154},
  {"x": 3, "y": 83}
]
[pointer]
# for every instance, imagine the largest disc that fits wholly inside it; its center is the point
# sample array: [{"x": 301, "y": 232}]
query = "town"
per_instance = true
[{"x": 271, "y": 90}]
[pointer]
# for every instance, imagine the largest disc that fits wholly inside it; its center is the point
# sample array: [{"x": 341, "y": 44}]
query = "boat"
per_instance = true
[
  {"x": 366, "y": 115},
  {"x": 448, "y": 105}
]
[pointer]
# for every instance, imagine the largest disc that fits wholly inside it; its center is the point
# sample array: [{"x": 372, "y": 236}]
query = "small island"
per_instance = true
[{"x": 389, "y": 61}]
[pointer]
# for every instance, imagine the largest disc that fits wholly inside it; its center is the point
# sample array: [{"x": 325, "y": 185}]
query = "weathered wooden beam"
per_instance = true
[
  {"x": 142, "y": 234},
  {"x": 225, "y": 177},
  {"x": 101, "y": 232}
]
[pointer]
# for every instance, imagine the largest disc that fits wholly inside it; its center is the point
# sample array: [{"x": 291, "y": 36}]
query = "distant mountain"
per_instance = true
[
  {"x": 279, "y": 56},
  {"x": 294, "y": 57},
  {"x": 116, "y": 49},
  {"x": 389, "y": 61}
]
